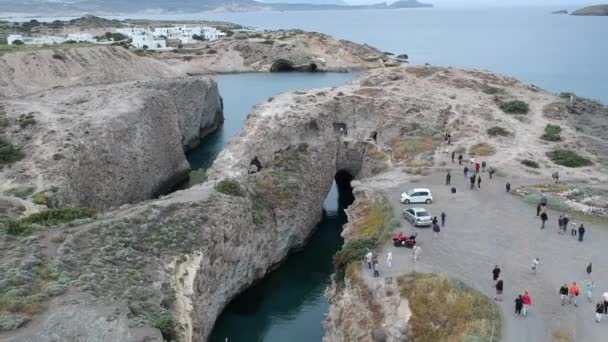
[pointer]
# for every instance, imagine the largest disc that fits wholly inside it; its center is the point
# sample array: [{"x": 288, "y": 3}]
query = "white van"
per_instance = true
[{"x": 417, "y": 196}]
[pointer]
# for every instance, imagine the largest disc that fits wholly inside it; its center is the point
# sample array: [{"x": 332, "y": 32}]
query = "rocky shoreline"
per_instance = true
[{"x": 165, "y": 268}]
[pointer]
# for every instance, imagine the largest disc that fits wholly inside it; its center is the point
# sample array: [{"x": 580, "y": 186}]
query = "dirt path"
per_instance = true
[{"x": 488, "y": 226}]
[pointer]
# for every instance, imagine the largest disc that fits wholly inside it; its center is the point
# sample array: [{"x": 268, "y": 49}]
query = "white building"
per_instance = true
[
  {"x": 152, "y": 37},
  {"x": 50, "y": 40},
  {"x": 148, "y": 41}
]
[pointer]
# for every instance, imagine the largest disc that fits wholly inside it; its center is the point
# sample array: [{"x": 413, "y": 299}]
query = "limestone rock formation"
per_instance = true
[
  {"x": 33, "y": 71},
  {"x": 173, "y": 263},
  {"x": 260, "y": 51}
]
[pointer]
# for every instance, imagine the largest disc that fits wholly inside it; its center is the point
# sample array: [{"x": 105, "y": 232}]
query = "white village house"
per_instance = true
[
  {"x": 154, "y": 38},
  {"x": 50, "y": 40}
]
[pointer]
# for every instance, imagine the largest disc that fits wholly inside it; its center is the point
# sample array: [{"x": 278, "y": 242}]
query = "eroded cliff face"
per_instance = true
[
  {"x": 106, "y": 145},
  {"x": 175, "y": 262}
]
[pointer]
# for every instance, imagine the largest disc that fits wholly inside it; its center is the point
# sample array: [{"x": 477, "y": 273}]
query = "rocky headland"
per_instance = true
[
  {"x": 596, "y": 10},
  {"x": 165, "y": 268},
  {"x": 99, "y": 127},
  {"x": 271, "y": 51}
]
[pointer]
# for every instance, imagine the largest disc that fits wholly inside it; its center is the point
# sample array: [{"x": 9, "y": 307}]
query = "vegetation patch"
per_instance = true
[
  {"x": 26, "y": 120},
  {"x": 41, "y": 199},
  {"x": 166, "y": 325},
  {"x": 498, "y": 131},
  {"x": 229, "y": 187},
  {"x": 447, "y": 310},
  {"x": 22, "y": 193},
  {"x": 488, "y": 89},
  {"x": 408, "y": 148},
  {"x": 552, "y": 133},
  {"x": 9, "y": 153},
  {"x": 482, "y": 149},
  {"x": 51, "y": 217},
  {"x": 373, "y": 226},
  {"x": 197, "y": 176},
  {"x": 530, "y": 163},
  {"x": 514, "y": 107},
  {"x": 422, "y": 71},
  {"x": 568, "y": 158}
]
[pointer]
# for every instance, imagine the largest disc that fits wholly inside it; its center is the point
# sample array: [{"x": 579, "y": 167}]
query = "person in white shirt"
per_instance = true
[
  {"x": 389, "y": 259},
  {"x": 368, "y": 259}
]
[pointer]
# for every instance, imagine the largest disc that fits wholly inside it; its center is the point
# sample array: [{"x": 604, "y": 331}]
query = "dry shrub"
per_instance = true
[
  {"x": 373, "y": 218},
  {"x": 408, "y": 148},
  {"x": 561, "y": 336},
  {"x": 444, "y": 310},
  {"x": 482, "y": 149},
  {"x": 550, "y": 187},
  {"x": 422, "y": 71},
  {"x": 374, "y": 153}
]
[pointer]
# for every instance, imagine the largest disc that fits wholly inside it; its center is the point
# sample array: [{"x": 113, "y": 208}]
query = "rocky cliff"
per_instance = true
[
  {"x": 99, "y": 127},
  {"x": 596, "y": 10},
  {"x": 30, "y": 72},
  {"x": 169, "y": 266},
  {"x": 282, "y": 50}
]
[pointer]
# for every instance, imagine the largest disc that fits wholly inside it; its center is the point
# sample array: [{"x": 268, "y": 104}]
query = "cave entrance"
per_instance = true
[{"x": 282, "y": 65}]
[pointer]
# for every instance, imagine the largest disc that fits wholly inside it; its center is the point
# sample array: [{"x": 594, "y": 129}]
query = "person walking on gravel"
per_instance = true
[
  {"x": 499, "y": 287},
  {"x": 466, "y": 172},
  {"x": 443, "y": 216},
  {"x": 495, "y": 273},
  {"x": 543, "y": 218},
  {"x": 589, "y": 289},
  {"x": 599, "y": 310},
  {"x": 573, "y": 293},
  {"x": 589, "y": 269},
  {"x": 508, "y": 186},
  {"x": 535, "y": 263},
  {"x": 436, "y": 229},
  {"x": 565, "y": 221},
  {"x": 460, "y": 159},
  {"x": 453, "y": 155},
  {"x": 560, "y": 224},
  {"x": 473, "y": 182},
  {"x": 416, "y": 250},
  {"x": 368, "y": 259},
  {"x": 543, "y": 200},
  {"x": 581, "y": 232},
  {"x": 519, "y": 304},
  {"x": 389, "y": 259},
  {"x": 605, "y": 299},
  {"x": 448, "y": 178},
  {"x": 527, "y": 302},
  {"x": 563, "y": 293},
  {"x": 479, "y": 181},
  {"x": 538, "y": 209}
]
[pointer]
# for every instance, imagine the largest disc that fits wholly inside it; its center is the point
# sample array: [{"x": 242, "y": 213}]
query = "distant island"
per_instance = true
[
  {"x": 560, "y": 12},
  {"x": 107, "y": 7},
  {"x": 596, "y": 10}
]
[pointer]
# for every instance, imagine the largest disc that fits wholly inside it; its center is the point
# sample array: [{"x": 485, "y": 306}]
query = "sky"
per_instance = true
[{"x": 501, "y": 3}]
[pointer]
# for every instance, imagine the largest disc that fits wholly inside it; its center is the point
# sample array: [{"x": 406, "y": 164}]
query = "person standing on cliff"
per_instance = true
[{"x": 368, "y": 259}]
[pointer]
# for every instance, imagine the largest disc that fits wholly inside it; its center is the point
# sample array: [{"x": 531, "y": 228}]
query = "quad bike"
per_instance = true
[{"x": 401, "y": 240}]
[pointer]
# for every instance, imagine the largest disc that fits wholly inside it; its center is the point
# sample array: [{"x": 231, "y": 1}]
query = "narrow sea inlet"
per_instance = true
[{"x": 289, "y": 303}]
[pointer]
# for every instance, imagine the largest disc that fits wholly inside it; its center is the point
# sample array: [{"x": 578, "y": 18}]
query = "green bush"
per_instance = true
[
  {"x": 211, "y": 51},
  {"x": 514, "y": 107},
  {"x": 568, "y": 158},
  {"x": 41, "y": 199},
  {"x": 229, "y": 187},
  {"x": 9, "y": 153},
  {"x": 53, "y": 217},
  {"x": 354, "y": 250},
  {"x": 487, "y": 89},
  {"x": 166, "y": 325},
  {"x": 552, "y": 133},
  {"x": 530, "y": 163},
  {"x": 197, "y": 176},
  {"x": 496, "y": 130},
  {"x": 17, "y": 228}
]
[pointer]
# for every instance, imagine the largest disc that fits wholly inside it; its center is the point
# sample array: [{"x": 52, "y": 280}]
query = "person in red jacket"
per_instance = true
[
  {"x": 527, "y": 302},
  {"x": 477, "y": 166}
]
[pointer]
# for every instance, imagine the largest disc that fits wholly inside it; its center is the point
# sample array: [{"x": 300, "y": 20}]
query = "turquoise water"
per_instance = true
[
  {"x": 288, "y": 304},
  {"x": 556, "y": 52},
  {"x": 241, "y": 92}
]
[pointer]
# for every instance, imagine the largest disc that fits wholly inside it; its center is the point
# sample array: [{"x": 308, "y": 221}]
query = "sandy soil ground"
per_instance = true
[{"x": 488, "y": 226}]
